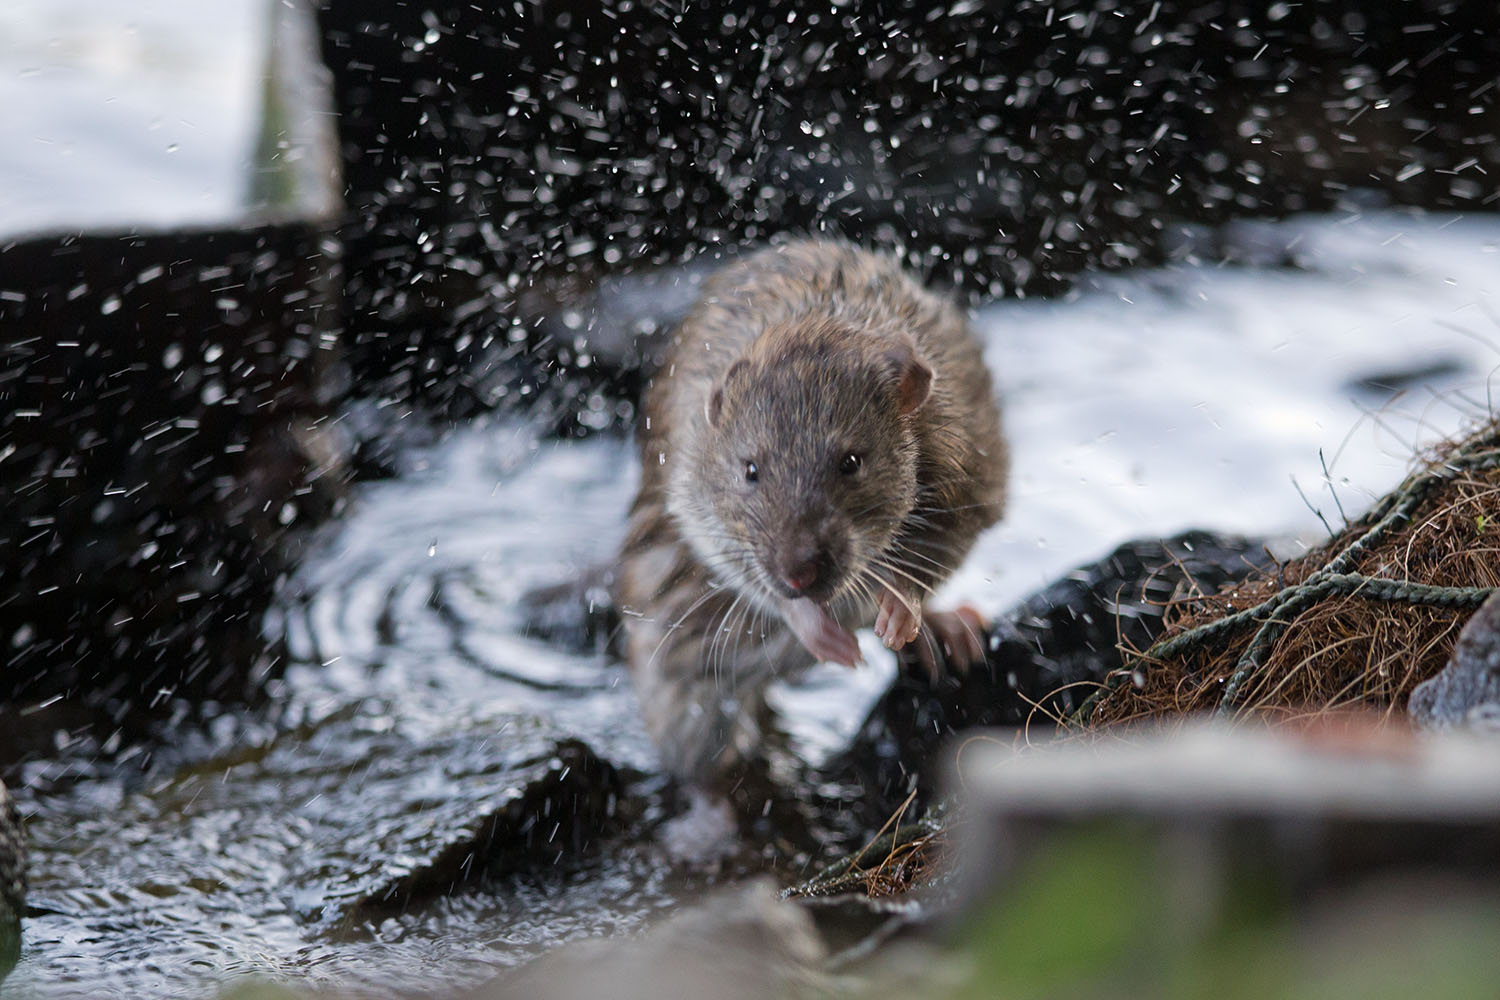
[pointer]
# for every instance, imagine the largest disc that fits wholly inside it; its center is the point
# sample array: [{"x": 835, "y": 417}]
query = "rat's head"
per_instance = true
[{"x": 808, "y": 463}]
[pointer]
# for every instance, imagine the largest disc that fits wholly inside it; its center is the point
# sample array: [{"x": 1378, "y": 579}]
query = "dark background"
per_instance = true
[{"x": 1003, "y": 147}]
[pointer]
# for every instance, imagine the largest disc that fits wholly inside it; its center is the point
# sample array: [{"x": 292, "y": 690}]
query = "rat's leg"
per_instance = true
[{"x": 959, "y": 633}]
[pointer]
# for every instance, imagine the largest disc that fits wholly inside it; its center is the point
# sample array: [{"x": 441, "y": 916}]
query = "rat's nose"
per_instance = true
[
  {"x": 804, "y": 565},
  {"x": 802, "y": 575}
]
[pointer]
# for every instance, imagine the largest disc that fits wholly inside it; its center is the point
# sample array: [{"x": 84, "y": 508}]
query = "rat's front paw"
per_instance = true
[
  {"x": 896, "y": 621},
  {"x": 952, "y": 637},
  {"x": 960, "y": 635}
]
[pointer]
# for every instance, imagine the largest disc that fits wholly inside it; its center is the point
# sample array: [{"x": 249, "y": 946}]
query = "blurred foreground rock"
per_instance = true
[
  {"x": 742, "y": 944},
  {"x": 1341, "y": 799},
  {"x": 1349, "y": 859}
]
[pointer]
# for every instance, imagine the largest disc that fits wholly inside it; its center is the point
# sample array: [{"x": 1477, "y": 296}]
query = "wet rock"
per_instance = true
[
  {"x": 321, "y": 831},
  {"x": 1467, "y": 691},
  {"x": 560, "y": 802},
  {"x": 744, "y": 944},
  {"x": 1045, "y": 656},
  {"x": 578, "y": 615},
  {"x": 165, "y": 441},
  {"x": 12, "y": 882}
]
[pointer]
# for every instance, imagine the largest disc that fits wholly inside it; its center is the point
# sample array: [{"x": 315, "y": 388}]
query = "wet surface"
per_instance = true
[
  {"x": 330, "y": 840},
  {"x": 325, "y": 855},
  {"x": 418, "y": 722}
]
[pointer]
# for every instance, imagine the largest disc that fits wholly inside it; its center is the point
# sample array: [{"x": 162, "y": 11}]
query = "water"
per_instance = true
[
  {"x": 1196, "y": 395},
  {"x": 1143, "y": 404}
]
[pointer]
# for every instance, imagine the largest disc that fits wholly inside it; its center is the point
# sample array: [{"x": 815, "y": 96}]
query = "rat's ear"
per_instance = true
[
  {"x": 914, "y": 378},
  {"x": 714, "y": 407}
]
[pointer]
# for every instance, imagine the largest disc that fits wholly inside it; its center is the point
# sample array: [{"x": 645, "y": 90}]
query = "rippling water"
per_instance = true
[
  {"x": 1146, "y": 403},
  {"x": 416, "y": 592}
]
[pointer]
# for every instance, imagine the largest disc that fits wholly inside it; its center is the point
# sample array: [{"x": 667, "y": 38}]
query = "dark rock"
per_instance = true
[
  {"x": 353, "y": 818},
  {"x": 1467, "y": 691},
  {"x": 1383, "y": 385},
  {"x": 1045, "y": 656},
  {"x": 578, "y": 615},
  {"x": 164, "y": 443},
  {"x": 12, "y": 882},
  {"x": 551, "y": 801}
]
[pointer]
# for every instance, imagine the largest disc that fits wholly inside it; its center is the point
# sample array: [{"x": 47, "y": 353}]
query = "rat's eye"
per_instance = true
[
  {"x": 850, "y": 463},
  {"x": 752, "y": 472}
]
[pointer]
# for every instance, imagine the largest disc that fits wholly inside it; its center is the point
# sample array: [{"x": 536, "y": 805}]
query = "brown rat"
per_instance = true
[{"x": 820, "y": 448}]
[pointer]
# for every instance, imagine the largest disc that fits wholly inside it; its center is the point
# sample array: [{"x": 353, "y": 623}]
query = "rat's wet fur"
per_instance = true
[{"x": 823, "y": 430}]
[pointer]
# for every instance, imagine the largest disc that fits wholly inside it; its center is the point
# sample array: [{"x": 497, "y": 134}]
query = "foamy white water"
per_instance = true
[{"x": 140, "y": 113}]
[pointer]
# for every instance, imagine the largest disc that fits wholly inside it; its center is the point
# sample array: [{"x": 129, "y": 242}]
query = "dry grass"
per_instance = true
[
  {"x": 905, "y": 865},
  {"x": 1345, "y": 651}
]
